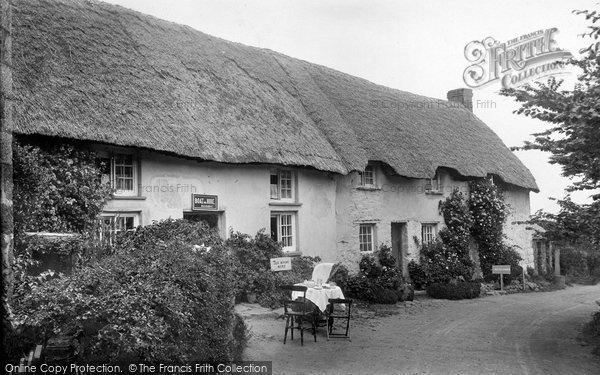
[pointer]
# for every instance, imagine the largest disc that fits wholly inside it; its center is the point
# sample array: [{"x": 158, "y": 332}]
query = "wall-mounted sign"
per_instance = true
[
  {"x": 281, "y": 264},
  {"x": 202, "y": 202}
]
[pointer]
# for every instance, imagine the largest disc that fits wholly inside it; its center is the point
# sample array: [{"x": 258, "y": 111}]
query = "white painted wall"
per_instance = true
[
  {"x": 167, "y": 184},
  {"x": 329, "y": 207}
]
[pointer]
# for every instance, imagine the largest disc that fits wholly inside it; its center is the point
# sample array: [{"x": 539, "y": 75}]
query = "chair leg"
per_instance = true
[
  {"x": 347, "y": 326},
  {"x": 301, "y": 332},
  {"x": 314, "y": 327},
  {"x": 287, "y": 326}
]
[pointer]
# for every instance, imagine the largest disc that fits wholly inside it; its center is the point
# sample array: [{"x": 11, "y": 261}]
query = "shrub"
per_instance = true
[
  {"x": 253, "y": 268},
  {"x": 385, "y": 296},
  {"x": 417, "y": 274},
  {"x": 574, "y": 262},
  {"x": 442, "y": 264},
  {"x": 339, "y": 275},
  {"x": 502, "y": 255},
  {"x": 57, "y": 188},
  {"x": 595, "y": 324},
  {"x": 157, "y": 297},
  {"x": 368, "y": 266},
  {"x": 454, "y": 291},
  {"x": 379, "y": 279}
]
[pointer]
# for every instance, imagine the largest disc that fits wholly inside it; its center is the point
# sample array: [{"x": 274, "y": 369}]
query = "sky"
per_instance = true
[{"x": 415, "y": 46}]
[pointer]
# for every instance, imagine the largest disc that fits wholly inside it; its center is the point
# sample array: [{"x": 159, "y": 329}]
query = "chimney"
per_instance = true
[{"x": 463, "y": 96}]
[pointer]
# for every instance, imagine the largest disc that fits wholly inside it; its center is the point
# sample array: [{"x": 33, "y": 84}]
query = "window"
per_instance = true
[
  {"x": 123, "y": 172},
  {"x": 282, "y": 185},
  {"x": 367, "y": 177},
  {"x": 434, "y": 184},
  {"x": 120, "y": 170},
  {"x": 113, "y": 224},
  {"x": 428, "y": 233},
  {"x": 283, "y": 229},
  {"x": 366, "y": 237}
]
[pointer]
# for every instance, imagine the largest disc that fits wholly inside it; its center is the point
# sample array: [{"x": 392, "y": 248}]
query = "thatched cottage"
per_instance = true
[{"x": 246, "y": 138}]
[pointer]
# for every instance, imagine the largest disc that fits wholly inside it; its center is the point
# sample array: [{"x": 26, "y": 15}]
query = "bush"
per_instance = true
[
  {"x": 379, "y": 279},
  {"x": 253, "y": 268},
  {"x": 574, "y": 262},
  {"x": 502, "y": 254},
  {"x": 442, "y": 264},
  {"x": 339, "y": 275},
  {"x": 454, "y": 291},
  {"x": 157, "y": 297},
  {"x": 417, "y": 274},
  {"x": 57, "y": 188}
]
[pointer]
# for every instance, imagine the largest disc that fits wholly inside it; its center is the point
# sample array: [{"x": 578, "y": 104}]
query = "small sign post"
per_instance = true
[
  {"x": 281, "y": 264},
  {"x": 502, "y": 270}
]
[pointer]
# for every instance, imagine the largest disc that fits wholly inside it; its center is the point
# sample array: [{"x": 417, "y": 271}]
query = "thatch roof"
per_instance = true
[{"x": 93, "y": 71}]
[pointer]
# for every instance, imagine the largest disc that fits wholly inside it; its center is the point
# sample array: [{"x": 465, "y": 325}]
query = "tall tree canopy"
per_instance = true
[{"x": 573, "y": 139}]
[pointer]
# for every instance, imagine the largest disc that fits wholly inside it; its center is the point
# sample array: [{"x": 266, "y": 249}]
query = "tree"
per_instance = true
[
  {"x": 6, "y": 160},
  {"x": 573, "y": 139}
]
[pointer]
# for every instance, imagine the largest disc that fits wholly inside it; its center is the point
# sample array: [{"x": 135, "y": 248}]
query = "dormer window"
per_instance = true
[
  {"x": 121, "y": 171},
  {"x": 282, "y": 185},
  {"x": 434, "y": 185},
  {"x": 367, "y": 177}
]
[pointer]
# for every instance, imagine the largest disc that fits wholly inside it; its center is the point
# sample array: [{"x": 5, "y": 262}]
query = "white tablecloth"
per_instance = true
[{"x": 320, "y": 297}]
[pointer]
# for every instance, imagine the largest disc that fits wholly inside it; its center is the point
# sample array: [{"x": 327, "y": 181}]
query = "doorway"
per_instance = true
[{"x": 399, "y": 240}]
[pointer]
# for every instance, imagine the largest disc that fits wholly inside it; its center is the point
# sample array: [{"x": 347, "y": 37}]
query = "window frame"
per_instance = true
[
  {"x": 434, "y": 185},
  {"x": 292, "y": 234},
  {"x": 373, "y": 241},
  {"x": 115, "y": 178},
  {"x": 432, "y": 234},
  {"x": 284, "y": 177},
  {"x": 111, "y": 158},
  {"x": 114, "y": 216},
  {"x": 364, "y": 176}
]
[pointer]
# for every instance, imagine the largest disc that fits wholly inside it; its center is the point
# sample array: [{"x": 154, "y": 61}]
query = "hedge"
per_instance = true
[
  {"x": 454, "y": 291},
  {"x": 161, "y": 296}
]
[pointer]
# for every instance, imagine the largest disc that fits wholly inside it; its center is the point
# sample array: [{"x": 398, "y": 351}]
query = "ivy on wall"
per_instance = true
[
  {"x": 489, "y": 212},
  {"x": 478, "y": 217}
]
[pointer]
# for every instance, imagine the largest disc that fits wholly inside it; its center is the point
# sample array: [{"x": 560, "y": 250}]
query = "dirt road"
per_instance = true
[{"x": 533, "y": 333}]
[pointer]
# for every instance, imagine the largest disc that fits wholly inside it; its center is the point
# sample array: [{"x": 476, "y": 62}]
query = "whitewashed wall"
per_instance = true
[{"x": 329, "y": 211}]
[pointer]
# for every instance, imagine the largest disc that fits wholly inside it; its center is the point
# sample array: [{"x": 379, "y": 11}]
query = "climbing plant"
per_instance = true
[
  {"x": 448, "y": 259},
  {"x": 459, "y": 221},
  {"x": 489, "y": 212}
]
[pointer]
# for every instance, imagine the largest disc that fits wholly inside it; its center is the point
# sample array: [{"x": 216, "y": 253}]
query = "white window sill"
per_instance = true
[
  {"x": 280, "y": 203},
  {"x": 368, "y": 187},
  {"x": 434, "y": 192},
  {"x": 127, "y": 197}
]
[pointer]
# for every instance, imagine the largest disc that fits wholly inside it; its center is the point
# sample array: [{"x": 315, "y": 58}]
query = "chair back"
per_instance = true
[
  {"x": 340, "y": 301},
  {"x": 322, "y": 272},
  {"x": 299, "y": 305}
]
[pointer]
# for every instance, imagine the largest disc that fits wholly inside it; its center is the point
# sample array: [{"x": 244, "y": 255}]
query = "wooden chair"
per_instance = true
[
  {"x": 297, "y": 312},
  {"x": 336, "y": 312}
]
